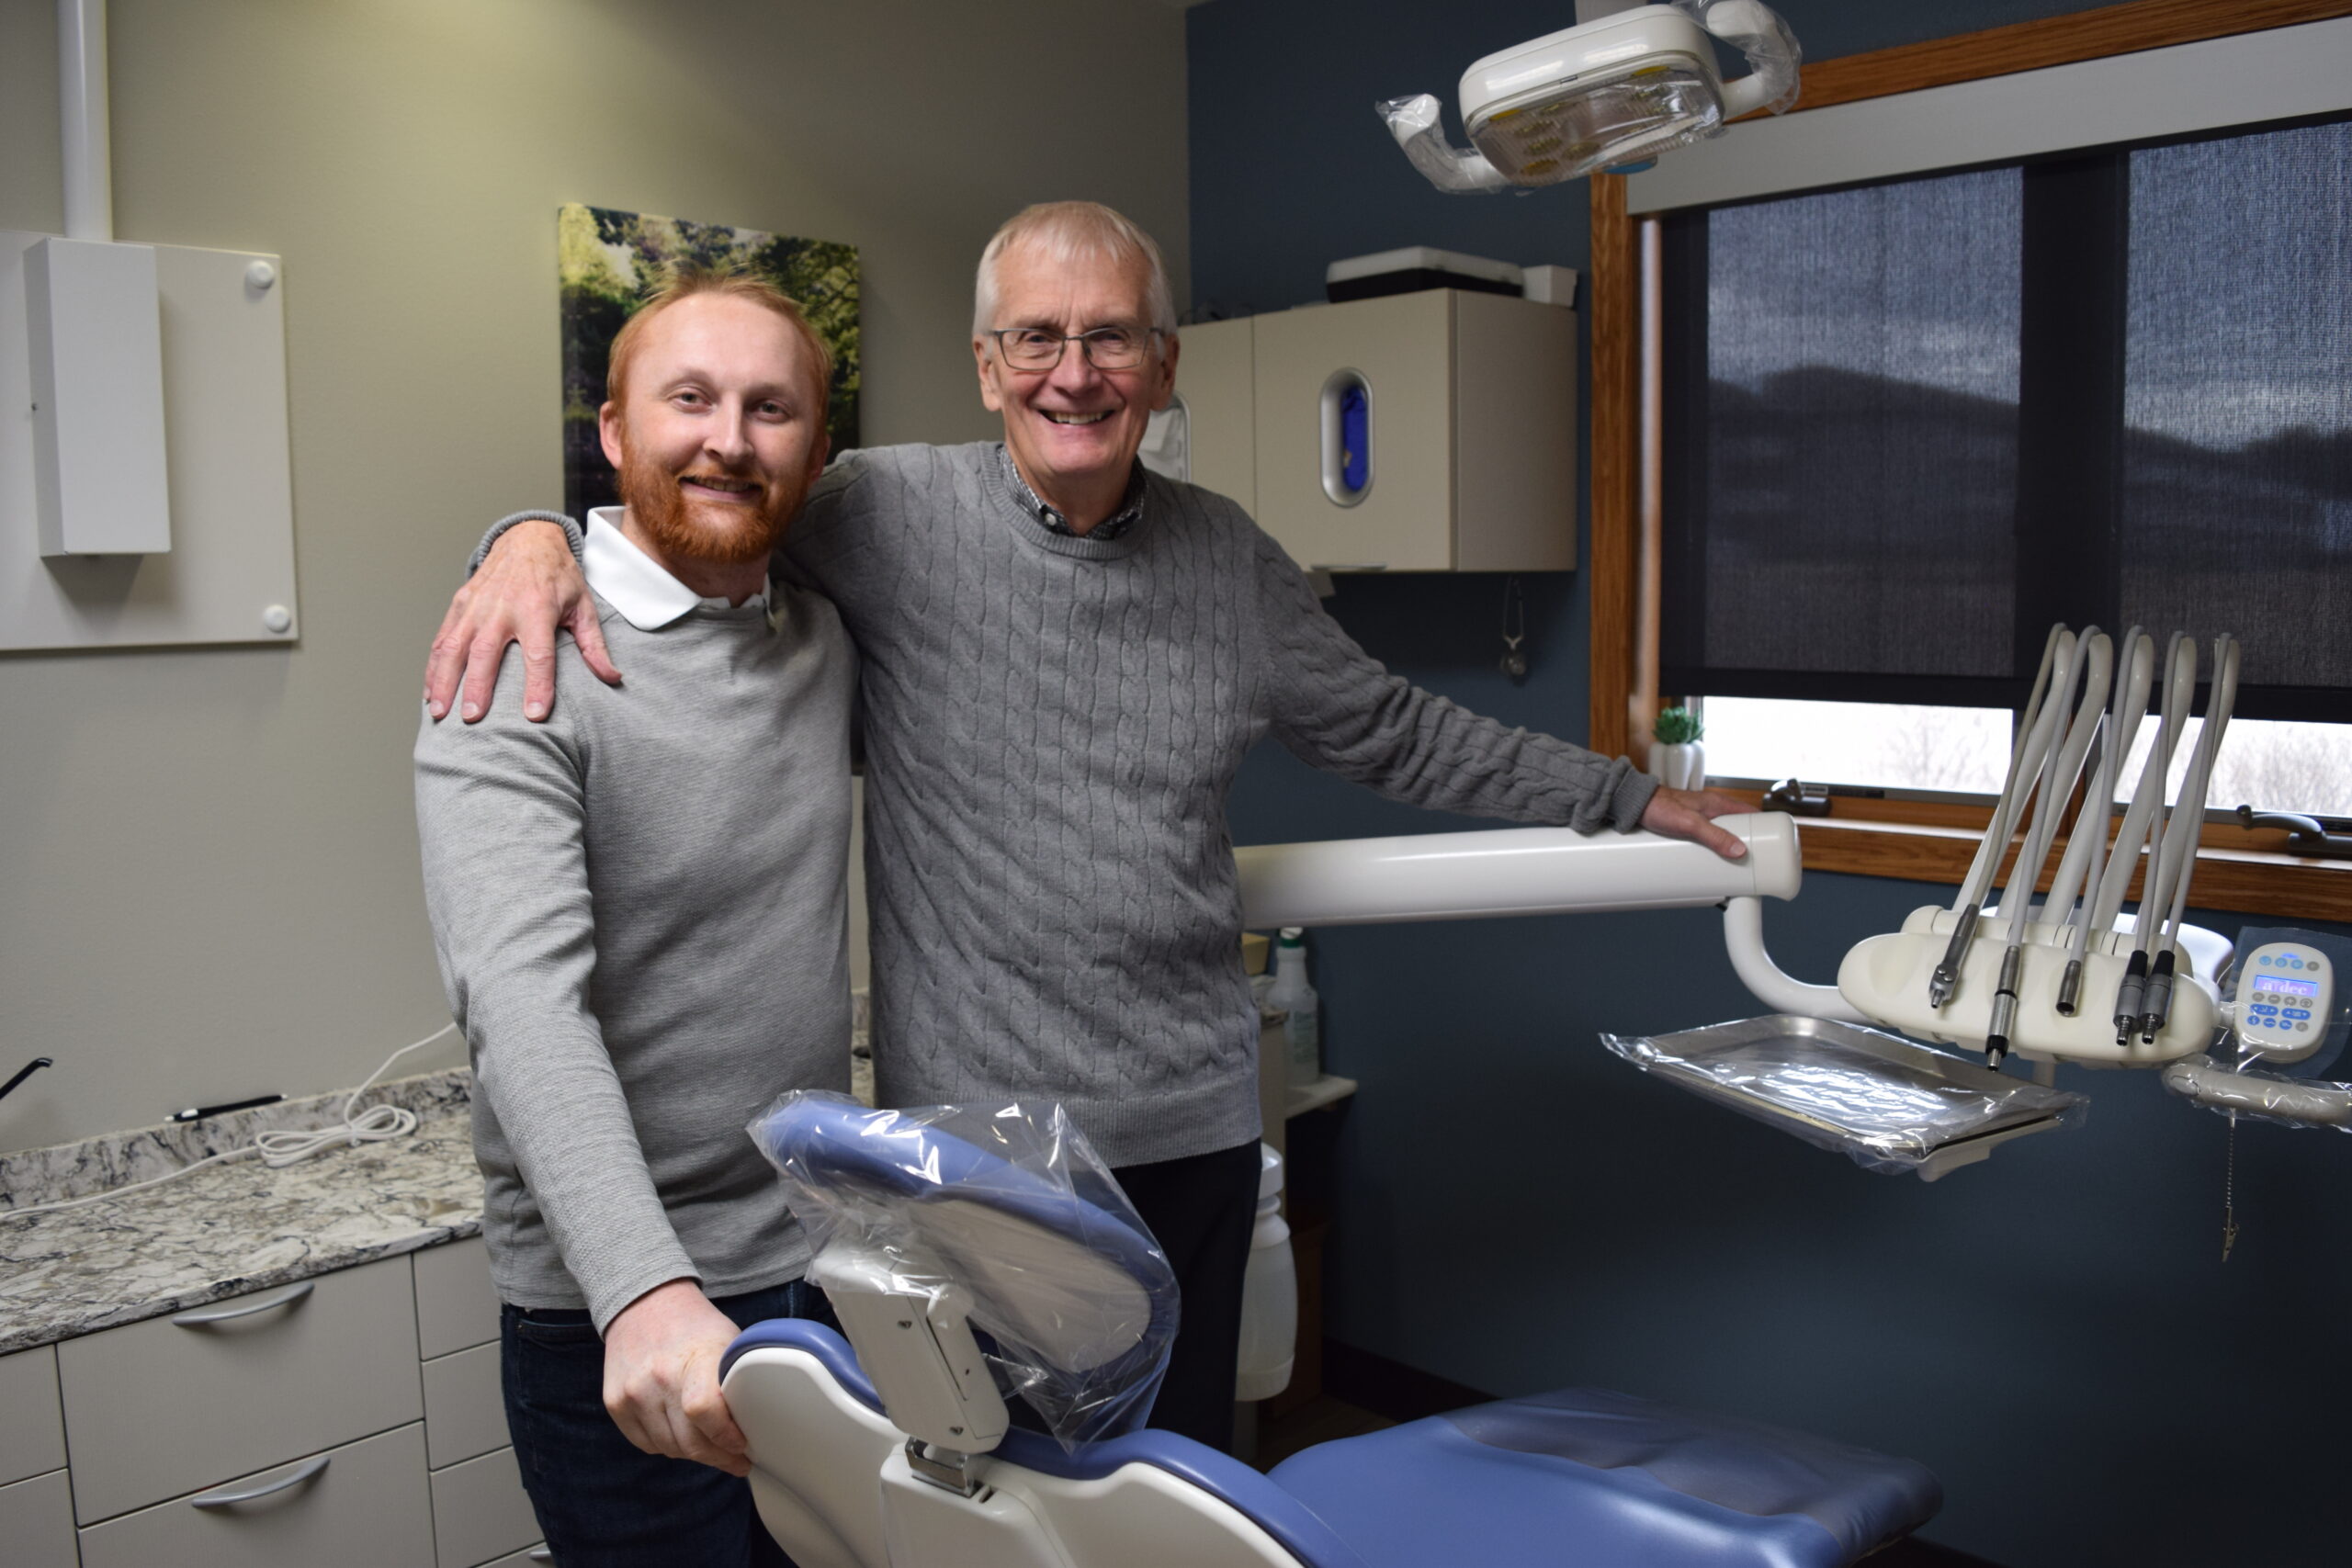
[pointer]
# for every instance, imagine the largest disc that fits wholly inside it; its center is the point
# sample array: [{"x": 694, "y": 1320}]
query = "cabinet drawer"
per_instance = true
[
  {"x": 480, "y": 1510},
  {"x": 37, "y": 1522},
  {"x": 457, "y": 1307},
  {"x": 369, "y": 1507},
  {"x": 465, "y": 1407},
  {"x": 32, "y": 1437},
  {"x": 176, "y": 1404}
]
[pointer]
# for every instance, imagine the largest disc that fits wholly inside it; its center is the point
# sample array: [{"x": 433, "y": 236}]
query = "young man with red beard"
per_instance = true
[{"x": 639, "y": 913}]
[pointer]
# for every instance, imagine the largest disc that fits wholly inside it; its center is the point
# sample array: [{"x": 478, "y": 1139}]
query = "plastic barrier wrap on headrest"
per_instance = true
[{"x": 1010, "y": 1208}]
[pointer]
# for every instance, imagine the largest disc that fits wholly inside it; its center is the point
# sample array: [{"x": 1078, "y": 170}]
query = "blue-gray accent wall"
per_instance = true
[{"x": 2052, "y": 1331}]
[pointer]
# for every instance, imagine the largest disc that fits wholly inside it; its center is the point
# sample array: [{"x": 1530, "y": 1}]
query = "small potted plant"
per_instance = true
[{"x": 1677, "y": 759}]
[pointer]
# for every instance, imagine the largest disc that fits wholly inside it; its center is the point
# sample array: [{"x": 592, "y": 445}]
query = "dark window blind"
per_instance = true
[{"x": 1909, "y": 425}]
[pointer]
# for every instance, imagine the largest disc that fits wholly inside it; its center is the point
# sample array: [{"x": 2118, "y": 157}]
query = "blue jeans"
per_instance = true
[{"x": 602, "y": 1502}]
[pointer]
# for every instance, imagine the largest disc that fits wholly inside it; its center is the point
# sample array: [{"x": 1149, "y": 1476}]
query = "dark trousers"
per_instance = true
[
  {"x": 1202, "y": 1209},
  {"x": 601, "y": 1501}
]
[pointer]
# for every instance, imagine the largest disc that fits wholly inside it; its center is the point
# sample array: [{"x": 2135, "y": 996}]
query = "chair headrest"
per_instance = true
[{"x": 1010, "y": 1207}]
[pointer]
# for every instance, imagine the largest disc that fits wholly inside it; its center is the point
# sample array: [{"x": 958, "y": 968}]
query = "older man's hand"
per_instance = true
[
  {"x": 527, "y": 588},
  {"x": 661, "y": 1355},
  {"x": 1688, "y": 813}
]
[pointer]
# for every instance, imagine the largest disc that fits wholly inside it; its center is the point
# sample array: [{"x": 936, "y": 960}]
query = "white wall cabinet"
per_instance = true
[
  {"x": 360, "y": 1410},
  {"x": 1431, "y": 431}
]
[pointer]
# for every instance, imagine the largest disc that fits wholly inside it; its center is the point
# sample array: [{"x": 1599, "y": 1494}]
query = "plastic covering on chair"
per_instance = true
[{"x": 1010, "y": 1208}]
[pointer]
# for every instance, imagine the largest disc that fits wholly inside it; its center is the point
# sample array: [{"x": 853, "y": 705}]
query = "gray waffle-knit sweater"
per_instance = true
[
  {"x": 642, "y": 923},
  {"x": 1051, "y": 725}
]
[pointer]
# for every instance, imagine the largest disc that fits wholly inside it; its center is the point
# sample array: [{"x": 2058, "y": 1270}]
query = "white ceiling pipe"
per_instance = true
[{"x": 82, "y": 105}]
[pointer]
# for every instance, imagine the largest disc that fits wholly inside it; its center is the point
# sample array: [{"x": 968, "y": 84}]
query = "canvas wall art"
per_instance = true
[{"x": 612, "y": 262}]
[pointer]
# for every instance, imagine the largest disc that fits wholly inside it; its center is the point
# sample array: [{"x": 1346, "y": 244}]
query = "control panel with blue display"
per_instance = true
[{"x": 2286, "y": 997}]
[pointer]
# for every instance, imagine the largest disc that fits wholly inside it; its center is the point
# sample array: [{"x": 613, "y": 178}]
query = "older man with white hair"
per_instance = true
[{"x": 1064, "y": 659}]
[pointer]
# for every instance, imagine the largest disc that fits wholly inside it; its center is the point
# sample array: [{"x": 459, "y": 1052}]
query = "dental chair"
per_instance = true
[{"x": 893, "y": 1449}]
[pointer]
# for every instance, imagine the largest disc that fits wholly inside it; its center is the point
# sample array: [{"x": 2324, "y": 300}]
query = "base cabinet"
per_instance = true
[
  {"x": 160, "y": 1416},
  {"x": 368, "y": 1506}
]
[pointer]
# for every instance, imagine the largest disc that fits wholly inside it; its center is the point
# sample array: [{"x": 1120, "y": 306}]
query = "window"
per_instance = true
[
  {"x": 1909, "y": 424},
  {"x": 2185, "y": 243}
]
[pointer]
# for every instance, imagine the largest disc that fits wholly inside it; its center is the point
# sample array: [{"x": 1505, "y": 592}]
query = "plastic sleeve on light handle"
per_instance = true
[
  {"x": 1772, "y": 53},
  {"x": 1744, "y": 939},
  {"x": 2201, "y": 1079},
  {"x": 1418, "y": 125}
]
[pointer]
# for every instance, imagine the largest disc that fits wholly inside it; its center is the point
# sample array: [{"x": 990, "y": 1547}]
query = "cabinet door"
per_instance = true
[
  {"x": 366, "y": 1508},
  {"x": 465, "y": 1406},
  {"x": 1402, "y": 348},
  {"x": 174, "y": 1403},
  {"x": 32, "y": 1436},
  {"x": 457, "y": 1307},
  {"x": 1215, "y": 378},
  {"x": 1515, "y": 452},
  {"x": 481, "y": 1511},
  {"x": 37, "y": 1522}
]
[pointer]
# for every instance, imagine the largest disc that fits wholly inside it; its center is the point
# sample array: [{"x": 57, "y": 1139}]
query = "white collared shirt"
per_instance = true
[{"x": 633, "y": 582}]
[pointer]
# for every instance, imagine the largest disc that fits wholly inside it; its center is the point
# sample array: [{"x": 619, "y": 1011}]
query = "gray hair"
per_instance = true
[{"x": 1065, "y": 231}]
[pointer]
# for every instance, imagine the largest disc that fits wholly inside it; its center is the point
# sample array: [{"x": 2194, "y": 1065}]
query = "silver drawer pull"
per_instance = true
[
  {"x": 541, "y": 1554},
  {"x": 267, "y": 1489},
  {"x": 1349, "y": 565},
  {"x": 286, "y": 1297}
]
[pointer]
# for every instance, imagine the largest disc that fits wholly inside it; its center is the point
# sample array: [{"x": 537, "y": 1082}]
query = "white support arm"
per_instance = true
[
  {"x": 1508, "y": 870},
  {"x": 1744, "y": 936},
  {"x": 1542, "y": 871}
]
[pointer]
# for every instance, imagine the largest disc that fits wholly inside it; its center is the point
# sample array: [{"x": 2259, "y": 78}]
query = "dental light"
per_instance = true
[{"x": 1627, "y": 82}]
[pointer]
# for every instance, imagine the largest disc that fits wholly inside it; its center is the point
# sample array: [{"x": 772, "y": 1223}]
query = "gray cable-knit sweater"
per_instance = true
[
  {"x": 639, "y": 914},
  {"x": 1051, "y": 725}
]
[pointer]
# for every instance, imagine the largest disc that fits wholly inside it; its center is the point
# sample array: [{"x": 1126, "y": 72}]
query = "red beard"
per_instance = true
[{"x": 689, "y": 529}]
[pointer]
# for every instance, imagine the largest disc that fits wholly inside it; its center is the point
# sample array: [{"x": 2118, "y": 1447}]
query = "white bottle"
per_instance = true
[
  {"x": 1302, "y": 1024},
  {"x": 1269, "y": 1294}
]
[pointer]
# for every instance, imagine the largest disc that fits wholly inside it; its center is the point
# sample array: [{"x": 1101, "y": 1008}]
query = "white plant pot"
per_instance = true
[{"x": 1683, "y": 766}]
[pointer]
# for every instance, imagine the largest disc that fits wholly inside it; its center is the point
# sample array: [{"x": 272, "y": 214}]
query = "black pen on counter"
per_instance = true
[{"x": 198, "y": 1112}]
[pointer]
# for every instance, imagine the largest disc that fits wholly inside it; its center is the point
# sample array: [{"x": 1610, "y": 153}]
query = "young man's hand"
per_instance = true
[
  {"x": 661, "y": 1355},
  {"x": 528, "y": 586},
  {"x": 1688, "y": 813}
]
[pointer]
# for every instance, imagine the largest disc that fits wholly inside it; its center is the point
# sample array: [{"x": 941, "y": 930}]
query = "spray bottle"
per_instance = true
[{"x": 1301, "y": 1023}]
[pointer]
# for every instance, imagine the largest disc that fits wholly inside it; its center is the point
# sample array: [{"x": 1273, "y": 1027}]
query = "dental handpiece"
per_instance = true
[
  {"x": 2096, "y": 663},
  {"x": 2091, "y": 822},
  {"x": 2156, "y": 1009},
  {"x": 2024, "y": 761}
]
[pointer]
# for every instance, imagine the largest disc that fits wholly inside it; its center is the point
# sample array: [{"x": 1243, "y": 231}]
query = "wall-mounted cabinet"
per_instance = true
[{"x": 1431, "y": 431}]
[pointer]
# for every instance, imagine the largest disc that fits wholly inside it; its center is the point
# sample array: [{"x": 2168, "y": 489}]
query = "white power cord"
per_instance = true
[{"x": 278, "y": 1149}]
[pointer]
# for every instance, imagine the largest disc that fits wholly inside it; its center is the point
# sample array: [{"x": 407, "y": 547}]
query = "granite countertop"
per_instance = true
[
  {"x": 241, "y": 1227},
  {"x": 232, "y": 1228}
]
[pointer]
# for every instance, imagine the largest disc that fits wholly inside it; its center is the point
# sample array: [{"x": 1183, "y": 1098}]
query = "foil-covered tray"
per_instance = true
[{"x": 1888, "y": 1104}]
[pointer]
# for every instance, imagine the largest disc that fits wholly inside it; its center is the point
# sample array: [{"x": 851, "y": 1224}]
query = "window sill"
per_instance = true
[{"x": 2245, "y": 873}]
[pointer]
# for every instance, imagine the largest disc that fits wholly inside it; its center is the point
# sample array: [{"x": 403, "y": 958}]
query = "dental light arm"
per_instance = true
[{"x": 1621, "y": 86}]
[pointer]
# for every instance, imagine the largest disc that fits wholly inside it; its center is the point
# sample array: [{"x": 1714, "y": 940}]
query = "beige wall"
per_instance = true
[{"x": 208, "y": 860}]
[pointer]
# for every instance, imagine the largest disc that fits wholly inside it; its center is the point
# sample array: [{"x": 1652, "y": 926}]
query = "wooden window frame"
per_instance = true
[{"x": 1922, "y": 842}]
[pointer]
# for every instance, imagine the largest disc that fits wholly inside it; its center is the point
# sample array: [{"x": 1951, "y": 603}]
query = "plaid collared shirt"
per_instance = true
[{"x": 1048, "y": 517}]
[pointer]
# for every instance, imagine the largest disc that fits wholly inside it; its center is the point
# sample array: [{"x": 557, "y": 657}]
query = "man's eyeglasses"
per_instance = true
[{"x": 1106, "y": 348}]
